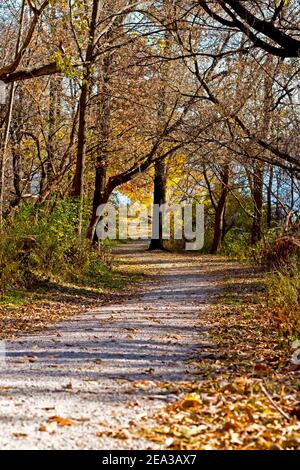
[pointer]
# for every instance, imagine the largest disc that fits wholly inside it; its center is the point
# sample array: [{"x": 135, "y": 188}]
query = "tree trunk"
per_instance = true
[
  {"x": 16, "y": 164},
  {"x": 55, "y": 90},
  {"x": 292, "y": 192},
  {"x": 159, "y": 198},
  {"x": 16, "y": 134},
  {"x": 54, "y": 112},
  {"x": 160, "y": 169},
  {"x": 90, "y": 235},
  {"x": 78, "y": 180},
  {"x": 258, "y": 180},
  {"x": 8, "y": 121},
  {"x": 256, "y": 232},
  {"x": 220, "y": 211},
  {"x": 104, "y": 133},
  {"x": 77, "y": 187},
  {"x": 269, "y": 199}
]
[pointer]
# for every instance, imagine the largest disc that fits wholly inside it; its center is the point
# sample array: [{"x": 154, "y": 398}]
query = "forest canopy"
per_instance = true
[
  {"x": 187, "y": 338},
  {"x": 99, "y": 97}
]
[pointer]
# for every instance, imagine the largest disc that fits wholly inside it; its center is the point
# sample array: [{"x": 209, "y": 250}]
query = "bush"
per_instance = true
[
  {"x": 41, "y": 244},
  {"x": 284, "y": 299},
  {"x": 236, "y": 243},
  {"x": 280, "y": 253},
  {"x": 280, "y": 256}
]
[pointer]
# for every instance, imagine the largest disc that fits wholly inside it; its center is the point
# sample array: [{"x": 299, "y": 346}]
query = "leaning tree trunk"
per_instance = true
[
  {"x": 220, "y": 211},
  {"x": 96, "y": 216},
  {"x": 100, "y": 182}
]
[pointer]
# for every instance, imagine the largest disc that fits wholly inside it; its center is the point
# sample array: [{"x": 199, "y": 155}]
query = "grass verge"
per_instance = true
[{"x": 28, "y": 311}]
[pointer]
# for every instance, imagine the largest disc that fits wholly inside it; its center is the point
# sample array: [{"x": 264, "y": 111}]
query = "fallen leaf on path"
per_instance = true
[
  {"x": 191, "y": 401},
  {"x": 144, "y": 384},
  {"x": 122, "y": 434},
  {"x": 20, "y": 435},
  {"x": 61, "y": 421}
]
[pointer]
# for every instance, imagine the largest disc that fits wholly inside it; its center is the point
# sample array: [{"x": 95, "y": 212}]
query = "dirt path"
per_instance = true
[{"x": 82, "y": 383}]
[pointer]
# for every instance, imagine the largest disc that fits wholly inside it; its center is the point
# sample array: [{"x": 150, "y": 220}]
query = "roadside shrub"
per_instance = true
[
  {"x": 284, "y": 299},
  {"x": 279, "y": 252},
  {"x": 279, "y": 255},
  {"x": 41, "y": 244},
  {"x": 236, "y": 243}
]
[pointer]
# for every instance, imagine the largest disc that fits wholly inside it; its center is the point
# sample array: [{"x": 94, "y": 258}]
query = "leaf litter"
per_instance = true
[{"x": 247, "y": 396}]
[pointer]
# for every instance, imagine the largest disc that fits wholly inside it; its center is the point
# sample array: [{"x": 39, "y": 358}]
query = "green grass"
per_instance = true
[
  {"x": 229, "y": 295},
  {"x": 100, "y": 276},
  {"x": 98, "y": 280},
  {"x": 14, "y": 297},
  {"x": 232, "y": 301}
]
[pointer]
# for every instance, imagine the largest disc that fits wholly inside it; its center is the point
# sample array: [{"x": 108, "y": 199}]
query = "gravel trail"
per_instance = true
[{"x": 83, "y": 383}]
